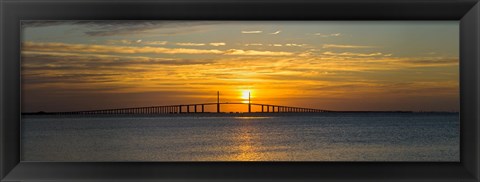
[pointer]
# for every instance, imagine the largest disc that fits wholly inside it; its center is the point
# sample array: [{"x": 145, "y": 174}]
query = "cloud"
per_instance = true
[
  {"x": 254, "y": 44},
  {"x": 217, "y": 44},
  {"x": 130, "y": 42},
  {"x": 256, "y": 53},
  {"x": 277, "y": 32},
  {"x": 346, "y": 46},
  {"x": 252, "y": 32},
  {"x": 50, "y": 68},
  {"x": 428, "y": 61},
  {"x": 104, "y": 49},
  {"x": 189, "y": 44},
  {"x": 295, "y": 45},
  {"x": 85, "y": 48},
  {"x": 155, "y": 42},
  {"x": 276, "y": 45},
  {"x": 328, "y": 35},
  {"x": 123, "y": 27},
  {"x": 353, "y": 54}
]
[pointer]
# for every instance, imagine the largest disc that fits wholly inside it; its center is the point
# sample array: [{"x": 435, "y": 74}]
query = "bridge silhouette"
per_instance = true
[{"x": 195, "y": 108}]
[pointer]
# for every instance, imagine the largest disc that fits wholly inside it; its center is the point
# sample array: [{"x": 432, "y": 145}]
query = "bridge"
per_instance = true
[{"x": 195, "y": 108}]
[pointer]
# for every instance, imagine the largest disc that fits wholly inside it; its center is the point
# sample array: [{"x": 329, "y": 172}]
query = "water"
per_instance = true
[{"x": 329, "y": 137}]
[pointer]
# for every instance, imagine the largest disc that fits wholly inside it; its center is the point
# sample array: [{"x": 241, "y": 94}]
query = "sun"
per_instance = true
[{"x": 245, "y": 95}]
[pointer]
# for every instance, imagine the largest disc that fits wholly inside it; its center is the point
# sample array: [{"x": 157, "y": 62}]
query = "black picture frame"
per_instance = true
[{"x": 13, "y": 11}]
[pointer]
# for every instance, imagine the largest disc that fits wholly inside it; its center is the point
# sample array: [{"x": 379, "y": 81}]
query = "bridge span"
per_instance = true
[{"x": 194, "y": 108}]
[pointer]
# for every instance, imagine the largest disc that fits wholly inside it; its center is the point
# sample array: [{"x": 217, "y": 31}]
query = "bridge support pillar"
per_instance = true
[
  {"x": 203, "y": 108},
  {"x": 195, "y": 108},
  {"x": 262, "y": 108},
  {"x": 188, "y": 109}
]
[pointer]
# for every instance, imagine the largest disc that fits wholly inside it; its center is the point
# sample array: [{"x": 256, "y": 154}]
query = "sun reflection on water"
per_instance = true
[
  {"x": 251, "y": 117},
  {"x": 247, "y": 148}
]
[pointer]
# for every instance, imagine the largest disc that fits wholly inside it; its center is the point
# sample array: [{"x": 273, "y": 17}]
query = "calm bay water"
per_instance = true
[{"x": 328, "y": 137}]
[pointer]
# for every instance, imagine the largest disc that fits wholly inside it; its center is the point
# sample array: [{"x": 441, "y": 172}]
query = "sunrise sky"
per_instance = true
[{"x": 333, "y": 65}]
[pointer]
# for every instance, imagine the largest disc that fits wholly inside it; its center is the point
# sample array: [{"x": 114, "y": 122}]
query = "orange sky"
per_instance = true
[{"x": 70, "y": 66}]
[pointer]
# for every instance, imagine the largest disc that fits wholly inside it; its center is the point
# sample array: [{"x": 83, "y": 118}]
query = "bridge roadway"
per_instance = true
[{"x": 193, "y": 108}]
